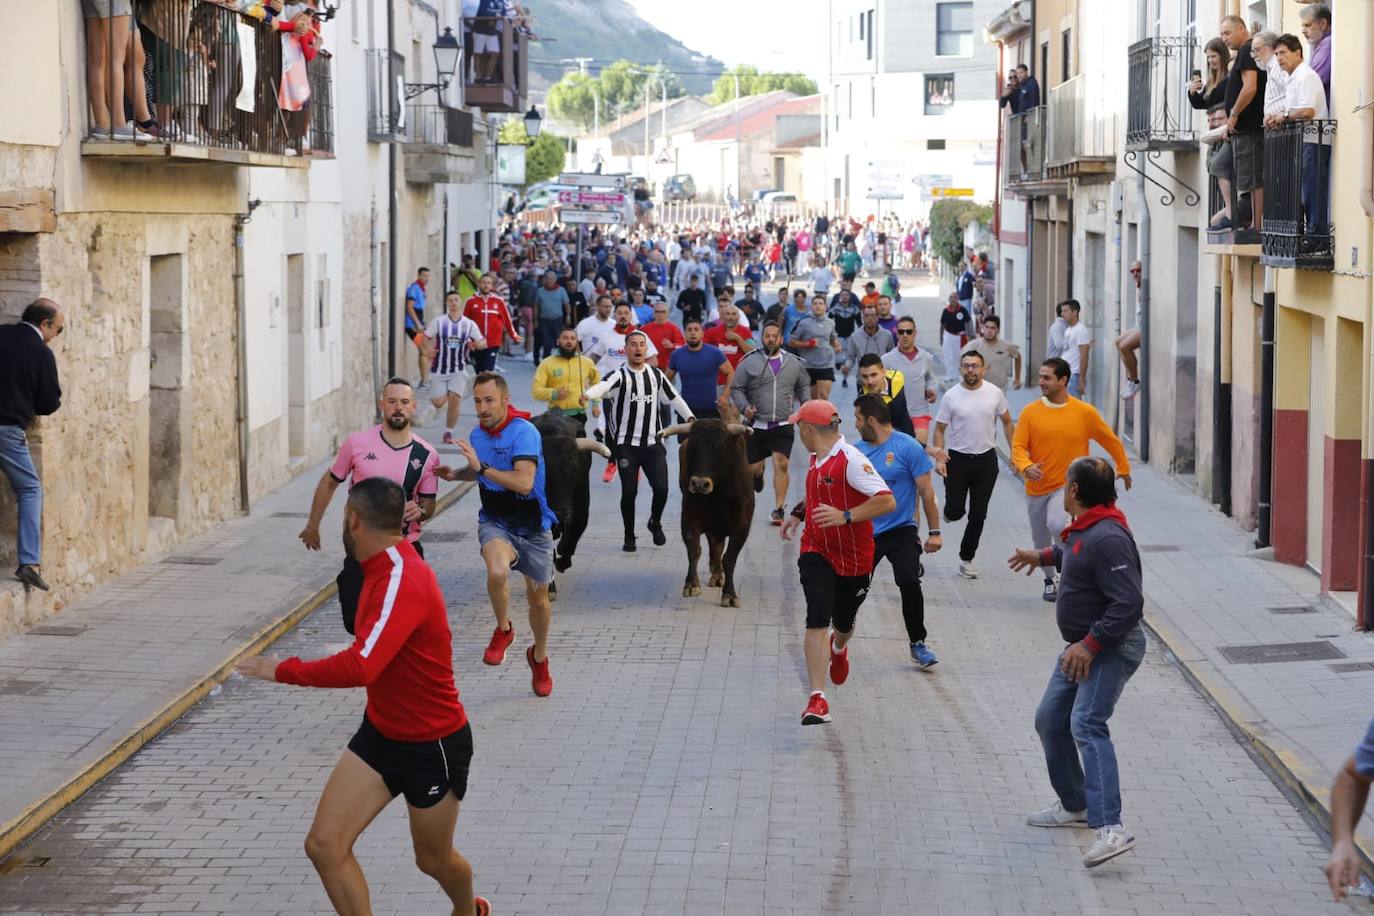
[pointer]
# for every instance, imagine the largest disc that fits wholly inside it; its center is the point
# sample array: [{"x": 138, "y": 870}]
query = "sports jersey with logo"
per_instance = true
[
  {"x": 452, "y": 339},
  {"x": 608, "y": 352},
  {"x": 843, "y": 478},
  {"x": 900, "y": 460},
  {"x": 514, "y": 440},
  {"x": 632, "y": 416},
  {"x": 366, "y": 454},
  {"x": 492, "y": 317}
]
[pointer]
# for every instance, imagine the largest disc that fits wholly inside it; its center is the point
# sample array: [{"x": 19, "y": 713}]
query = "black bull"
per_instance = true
[
  {"x": 567, "y": 464},
  {"x": 717, "y": 501}
]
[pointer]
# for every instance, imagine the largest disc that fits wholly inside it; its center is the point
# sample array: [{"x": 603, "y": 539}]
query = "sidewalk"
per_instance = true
[
  {"x": 1283, "y": 665},
  {"x": 83, "y": 691}
]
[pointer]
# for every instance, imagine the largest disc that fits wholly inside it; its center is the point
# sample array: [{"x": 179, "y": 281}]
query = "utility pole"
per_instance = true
[{"x": 738, "y": 192}]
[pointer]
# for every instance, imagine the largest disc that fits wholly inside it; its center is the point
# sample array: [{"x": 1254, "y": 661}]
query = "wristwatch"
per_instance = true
[
  {"x": 848, "y": 519},
  {"x": 483, "y": 468},
  {"x": 933, "y": 533}
]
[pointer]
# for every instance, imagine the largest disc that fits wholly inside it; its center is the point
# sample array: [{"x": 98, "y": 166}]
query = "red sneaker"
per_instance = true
[
  {"x": 817, "y": 711},
  {"x": 500, "y": 642},
  {"x": 483, "y": 906},
  {"x": 609, "y": 475},
  {"x": 540, "y": 679},
  {"x": 839, "y": 663}
]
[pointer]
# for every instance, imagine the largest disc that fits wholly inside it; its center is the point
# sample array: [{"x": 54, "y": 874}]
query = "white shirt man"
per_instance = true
[
  {"x": 1077, "y": 340},
  {"x": 592, "y": 329},
  {"x": 1305, "y": 91},
  {"x": 609, "y": 351},
  {"x": 821, "y": 278}
]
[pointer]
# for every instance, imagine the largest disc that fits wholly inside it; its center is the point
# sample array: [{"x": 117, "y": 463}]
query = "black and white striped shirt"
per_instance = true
[
  {"x": 452, "y": 338},
  {"x": 632, "y": 399}
]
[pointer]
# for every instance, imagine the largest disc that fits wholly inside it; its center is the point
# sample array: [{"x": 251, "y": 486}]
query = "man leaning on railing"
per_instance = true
[{"x": 1306, "y": 101}]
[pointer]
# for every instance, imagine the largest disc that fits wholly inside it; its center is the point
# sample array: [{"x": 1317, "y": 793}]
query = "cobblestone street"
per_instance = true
[{"x": 668, "y": 772}]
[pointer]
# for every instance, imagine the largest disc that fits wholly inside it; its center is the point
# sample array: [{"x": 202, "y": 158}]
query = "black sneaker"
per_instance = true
[
  {"x": 629, "y": 545},
  {"x": 657, "y": 531},
  {"x": 30, "y": 577},
  {"x": 777, "y": 516},
  {"x": 1051, "y": 592},
  {"x": 844, "y": 381},
  {"x": 758, "y": 483}
]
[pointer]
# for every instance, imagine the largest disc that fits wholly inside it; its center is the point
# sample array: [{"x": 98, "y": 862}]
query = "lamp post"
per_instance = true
[
  {"x": 534, "y": 122},
  {"x": 446, "y": 54}
]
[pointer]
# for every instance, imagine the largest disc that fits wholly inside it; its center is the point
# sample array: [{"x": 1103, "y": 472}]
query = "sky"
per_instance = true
[{"x": 769, "y": 34}]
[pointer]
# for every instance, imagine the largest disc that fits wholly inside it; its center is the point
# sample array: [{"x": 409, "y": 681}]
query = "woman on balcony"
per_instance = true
[{"x": 1203, "y": 95}]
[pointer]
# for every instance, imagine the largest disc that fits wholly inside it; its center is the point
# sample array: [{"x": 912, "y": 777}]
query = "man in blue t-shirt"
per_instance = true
[
  {"x": 506, "y": 458},
  {"x": 697, "y": 365},
  {"x": 905, "y": 466},
  {"x": 415, "y": 319}
]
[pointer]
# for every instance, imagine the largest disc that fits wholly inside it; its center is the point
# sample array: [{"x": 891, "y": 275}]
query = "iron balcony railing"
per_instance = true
[
  {"x": 1228, "y": 215},
  {"x": 1023, "y": 152},
  {"x": 439, "y": 125},
  {"x": 1297, "y": 229},
  {"x": 1081, "y": 122},
  {"x": 1158, "y": 114},
  {"x": 385, "y": 79},
  {"x": 213, "y": 77},
  {"x": 496, "y": 74}
]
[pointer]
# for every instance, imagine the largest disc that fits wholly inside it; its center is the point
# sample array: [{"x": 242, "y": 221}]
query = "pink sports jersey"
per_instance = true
[
  {"x": 366, "y": 454},
  {"x": 843, "y": 479}
]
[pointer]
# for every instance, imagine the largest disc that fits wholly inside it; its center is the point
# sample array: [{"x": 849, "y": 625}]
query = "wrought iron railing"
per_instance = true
[
  {"x": 1023, "y": 152},
  {"x": 438, "y": 124},
  {"x": 1079, "y": 122},
  {"x": 1297, "y": 229},
  {"x": 1158, "y": 114},
  {"x": 207, "y": 75}
]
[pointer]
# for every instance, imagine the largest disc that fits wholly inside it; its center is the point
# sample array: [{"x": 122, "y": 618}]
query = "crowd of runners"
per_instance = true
[{"x": 628, "y": 366}]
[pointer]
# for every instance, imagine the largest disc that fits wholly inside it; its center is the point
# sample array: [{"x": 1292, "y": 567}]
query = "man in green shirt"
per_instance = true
[{"x": 850, "y": 261}]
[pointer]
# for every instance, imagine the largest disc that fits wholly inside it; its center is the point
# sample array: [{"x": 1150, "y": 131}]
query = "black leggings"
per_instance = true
[
  {"x": 970, "y": 481},
  {"x": 901, "y": 547},
  {"x": 653, "y": 461}
]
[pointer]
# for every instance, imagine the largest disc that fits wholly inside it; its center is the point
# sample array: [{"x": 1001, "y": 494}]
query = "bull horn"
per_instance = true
[
  {"x": 591, "y": 445},
  {"x": 676, "y": 429},
  {"x": 739, "y": 429}
]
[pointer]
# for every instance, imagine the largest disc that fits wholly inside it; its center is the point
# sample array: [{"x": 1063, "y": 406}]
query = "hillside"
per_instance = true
[{"x": 607, "y": 30}]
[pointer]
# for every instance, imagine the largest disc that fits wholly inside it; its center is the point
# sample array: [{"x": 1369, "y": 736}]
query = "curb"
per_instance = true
[{"x": 24, "y": 825}]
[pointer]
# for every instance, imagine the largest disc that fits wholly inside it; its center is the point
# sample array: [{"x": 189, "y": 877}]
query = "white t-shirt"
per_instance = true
[
  {"x": 1305, "y": 90},
  {"x": 591, "y": 329},
  {"x": 970, "y": 415},
  {"x": 821, "y": 278},
  {"x": 609, "y": 351},
  {"x": 1075, "y": 337}
]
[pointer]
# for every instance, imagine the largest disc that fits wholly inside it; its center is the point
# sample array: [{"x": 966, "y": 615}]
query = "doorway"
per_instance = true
[
  {"x": 1316, "y": 451},
  {"x": 1185, "y": 354},
  {"x": 296, "y": 382},
  {"x": 166, "y": 420}
]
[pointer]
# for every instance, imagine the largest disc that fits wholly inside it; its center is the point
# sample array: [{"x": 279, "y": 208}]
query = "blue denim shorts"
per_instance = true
[{"x": 533, "y": 552}]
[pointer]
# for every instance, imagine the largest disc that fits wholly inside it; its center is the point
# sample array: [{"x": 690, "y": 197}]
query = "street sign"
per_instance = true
[
  {"x": 610, "y": 217},
  {"x": 663, "y": 158},
  {"x": 885, "y": 193},
  {"x": 593, "y": 180},
  {"x": 592, "y": 198},
  {"x": 951, "y": 192},
  {"x": 933, "y": 181}
]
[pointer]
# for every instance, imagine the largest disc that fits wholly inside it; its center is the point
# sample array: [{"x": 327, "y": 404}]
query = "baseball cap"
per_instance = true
[{"x": 821, "y": 413}]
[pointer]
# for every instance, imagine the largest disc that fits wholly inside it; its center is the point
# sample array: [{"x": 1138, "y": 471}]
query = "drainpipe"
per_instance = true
[
  {"x": 391, "y": 204},
  {"x": 1266, "y": 438},
  {"x": 241, "y": 353},
  {"x": 1365, "y": 613},
  {"x": 1142, "y": 432},
  {"x": 1221, "y": 386}
]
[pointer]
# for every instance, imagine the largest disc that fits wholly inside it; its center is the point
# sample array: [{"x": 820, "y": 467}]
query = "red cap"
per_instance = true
[{"x": 821, "y": 413}]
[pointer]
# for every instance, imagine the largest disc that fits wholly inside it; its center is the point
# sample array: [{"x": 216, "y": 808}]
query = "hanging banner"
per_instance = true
[
  {"x": 248, "y": 65},
  {"x": 510, "y": 163}
]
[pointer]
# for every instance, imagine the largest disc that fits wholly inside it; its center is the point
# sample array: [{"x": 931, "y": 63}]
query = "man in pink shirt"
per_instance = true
[{"x": 390, "y": 450}]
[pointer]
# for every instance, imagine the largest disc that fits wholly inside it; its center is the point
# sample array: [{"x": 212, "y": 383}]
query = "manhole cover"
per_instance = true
[
  {"x": 191, "y": 561},
  {"x": 1281, "y": 652},
  {"x": 290, "y": 515},
  {"x": 1301, "y": 609},
  {"x": 55, "y": 629},
  {"x": 1158, "y": 548},
  {"x": 1346, "y": 667},
  {"x": 443, "y": 537}
]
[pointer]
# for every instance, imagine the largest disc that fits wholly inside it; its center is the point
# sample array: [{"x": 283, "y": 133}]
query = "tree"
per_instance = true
[
  {"x": 573, "y": 99},
  {"x": 752, "y": 82},
  {"x": 544, "y": 157},
  {"x": 619, "y": 88},
  {"x": 949, "y": 217}
]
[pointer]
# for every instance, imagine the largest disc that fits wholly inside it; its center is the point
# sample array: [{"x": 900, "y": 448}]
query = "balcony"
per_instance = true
[
  {"x": 1237, "y": 237},
  {"x": 1023, "y": 155},
  {"x": 216, "y": 94},
  {"x": 1158, "y": 114},
  {"x": 496, "y": 80},
  {"x": 1082, "y": 141},
  {"x": 439, "y": 147},
  {"x": 1297, "y": 229}
]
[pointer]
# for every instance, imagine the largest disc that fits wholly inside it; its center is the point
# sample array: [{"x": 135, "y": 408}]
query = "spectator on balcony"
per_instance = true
[
  {"x": 1204, "y": 93},
  {"x": 164, "y": 27},
  {"x": 487, "y": 27},
  {"x": 1220, "y": 165},
  {"x": 1010, "y": 95},
  {"x": 1276, "y": 81},
  {"x": 1316, "y": 28},
  {"x": 1307, "y": 102},
  {"x": 109, "y": 47},
  {"x": 1245, "y": 116},
  {"x": 1027, "y": 89}
]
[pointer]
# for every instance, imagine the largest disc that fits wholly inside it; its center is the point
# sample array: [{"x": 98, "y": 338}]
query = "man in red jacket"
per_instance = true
[{"x": 415, "y": 738}]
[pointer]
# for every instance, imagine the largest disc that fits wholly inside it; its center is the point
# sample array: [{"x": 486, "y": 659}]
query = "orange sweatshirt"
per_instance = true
[{"x": 1054, "y": 436}]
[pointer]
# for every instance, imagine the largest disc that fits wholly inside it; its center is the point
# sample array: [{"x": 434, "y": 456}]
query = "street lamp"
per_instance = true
[
  {"x": 446, "y": 53},
  {"x": 533, "y": 123}
]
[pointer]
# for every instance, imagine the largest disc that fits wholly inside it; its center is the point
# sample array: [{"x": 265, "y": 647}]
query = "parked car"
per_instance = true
[
  {"x": 679, "y": 187},
  {"x": 758, "y": 196},
  {"x": 779, "y": 197}
]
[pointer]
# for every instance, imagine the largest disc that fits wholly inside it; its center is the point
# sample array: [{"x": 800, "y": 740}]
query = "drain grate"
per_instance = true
[
  {"x": 289, "y": 515},
  {"x": 181, "y": 560},
  {"x": 1346, "y": 667},
  {"x": 1158, "y": 548},
  {"x": 1300, "y": 609},
  {"x": 56, "y": 629},
  {"x": 16, "y": 862},
  {"x": 444, "y": 537},
  {"x": 1281, "y": 652},
  {"x": 17, "y": 688}
]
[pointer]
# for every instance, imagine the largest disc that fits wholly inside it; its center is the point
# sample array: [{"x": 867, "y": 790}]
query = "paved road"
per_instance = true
[{"x": 668, "y": 773}]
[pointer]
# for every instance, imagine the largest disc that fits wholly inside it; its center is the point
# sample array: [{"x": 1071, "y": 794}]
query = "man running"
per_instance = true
[
  {"x": 414, "y": 738},
  {"x": 415, "y": 319},
  {"x": 562, "y": 378},
  {"x": 1050, "y": 434},
  {"x": 906, "y": 468},
  {"x": 869, "y": 338},
  {"x": 845, "y": 310},
  {"x": 918, "y": 369},
  {"x": 695, "y": 368},
  {"x": 843, "y": 496},
  {"x": 769, "y": 384},
  {"x": 970, "y": 411},
  {"x": 449, "y": 338},
  {"x": 390, "y": 450},
  {"x": 1002, "y": 357},
  {"x": 492, "y": 317},
  {"x": 633, "y": 421},
  {"x": 506, "y": 458},
  {"x": 874, "y": 378},
  {"x": 815, "y": 342}
]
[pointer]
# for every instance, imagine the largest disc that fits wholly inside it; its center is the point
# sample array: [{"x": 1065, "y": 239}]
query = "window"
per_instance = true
[
  {"x": 939, "y": 94},
  {"x": 1044, "y": 62},
  {"x": 935, "y": 144},
  {"x": 1066, "y": 54},
  {"x": 869, "y": 49},
  {"x": 954, "y": 29},
  {"x": 863, "y": 21}
]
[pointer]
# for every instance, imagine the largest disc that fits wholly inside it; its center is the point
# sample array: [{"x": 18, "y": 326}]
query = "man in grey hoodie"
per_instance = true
[{"x": 769, "y": 385}]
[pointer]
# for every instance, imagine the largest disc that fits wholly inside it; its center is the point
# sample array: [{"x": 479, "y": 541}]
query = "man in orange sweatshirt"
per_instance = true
[{"x": 1051, "y": 434}]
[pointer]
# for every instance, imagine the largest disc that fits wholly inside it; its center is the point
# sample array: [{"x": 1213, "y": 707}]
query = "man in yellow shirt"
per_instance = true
[
  {"x": 562, "y": 378},
  {"x": 1051, "y": 434}
]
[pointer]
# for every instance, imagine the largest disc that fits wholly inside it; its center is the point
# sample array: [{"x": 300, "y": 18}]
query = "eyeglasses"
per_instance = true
[{"x": 906, "y": 332}]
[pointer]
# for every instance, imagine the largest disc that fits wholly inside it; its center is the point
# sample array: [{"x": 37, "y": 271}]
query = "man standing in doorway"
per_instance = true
[
  {"x": 1078, "y": 344},
  {"x": 1050, "y": 434},
  {"x": 918, "y": 369},
  {"x": 970, "y": 411},
  {"x": 415, "y": 320},
  {"x": 769, "y": 384},
  {"x": 28, "y": 388}
]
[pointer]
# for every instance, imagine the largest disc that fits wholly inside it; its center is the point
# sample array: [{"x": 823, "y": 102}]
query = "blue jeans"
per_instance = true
[
  {"x": 1072, "y": 721},
  {"x": 1073, "y": 383},
  {"x": 17, "y": 464}
]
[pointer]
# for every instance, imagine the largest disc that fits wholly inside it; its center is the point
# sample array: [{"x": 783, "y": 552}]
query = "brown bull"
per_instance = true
[{"x": 717, "y": 501}]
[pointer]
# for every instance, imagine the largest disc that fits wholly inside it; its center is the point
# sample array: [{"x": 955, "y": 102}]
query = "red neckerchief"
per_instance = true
[
  {"x": 511, "y": 413},
  {"x": 1093, "y": 516}
]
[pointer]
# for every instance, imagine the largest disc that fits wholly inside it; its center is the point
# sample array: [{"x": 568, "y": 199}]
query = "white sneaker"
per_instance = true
[
  {"x": 1056, "y": 816},
  {"x": 1111, "y": 842},
  {"x": 966, "y": 570},
  {"x": 1130, "y": 389}
]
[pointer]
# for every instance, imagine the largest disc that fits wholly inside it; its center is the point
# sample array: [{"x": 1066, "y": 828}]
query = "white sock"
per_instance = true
[
  {"x": 818, "y": 693},
  {"x": 449, "y": 430}
]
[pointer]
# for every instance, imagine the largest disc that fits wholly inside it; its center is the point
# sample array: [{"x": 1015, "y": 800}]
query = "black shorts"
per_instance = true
[
  {"x": 821, "y": 375},
  {"x": 765, "y": 442},
  {"x": 848, "y": 276},
  {"x": 421, "y": 770},
  {"x": 484, "y": 360},
  {"x": 830, "y": 597},
  {"x": 902, "y": 548}
]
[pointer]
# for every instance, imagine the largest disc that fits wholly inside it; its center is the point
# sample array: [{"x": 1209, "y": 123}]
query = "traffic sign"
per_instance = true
[
  {"x": 592, "y": 198},
  {"x": 593, "y": 180},
  {"x": 951, "y": 192},
  {"x": 610, "y": 217},
  {"x": 934, "y": 181},
  {"x": 663, "y": 158}
]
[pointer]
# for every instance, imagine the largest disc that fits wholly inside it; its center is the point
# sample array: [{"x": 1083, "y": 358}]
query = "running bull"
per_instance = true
[
  {"x": 567, "y": 463},
  {"x": 717, "y": 500}
]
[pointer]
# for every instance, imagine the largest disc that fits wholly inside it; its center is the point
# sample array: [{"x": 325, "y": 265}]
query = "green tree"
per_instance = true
[
  {"x": 619, "y": 88},
  {"x": 752, "y": 82},
  {"x": 573, "y": 99},
  {"x": 544, "y": 157},
  {"x": 949, "y": 217}
]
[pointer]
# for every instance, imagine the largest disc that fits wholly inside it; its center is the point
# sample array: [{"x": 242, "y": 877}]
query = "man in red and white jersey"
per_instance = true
[
  {"x": 492, "y": 317},
  {"x": 414, "y": 738},
  {"x": 844, "y": 493}
]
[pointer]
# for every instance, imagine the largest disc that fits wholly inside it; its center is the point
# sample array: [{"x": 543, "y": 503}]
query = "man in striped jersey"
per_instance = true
[
  {"x": 843, "y": 495},
  {"x": 449, "y": 338},
  {"x": 633, "y": 423}
]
